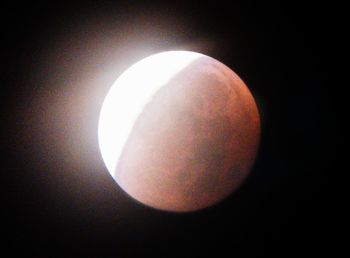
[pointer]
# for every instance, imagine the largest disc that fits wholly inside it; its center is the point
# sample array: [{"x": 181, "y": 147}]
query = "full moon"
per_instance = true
[{"x": 179, "y": 131}]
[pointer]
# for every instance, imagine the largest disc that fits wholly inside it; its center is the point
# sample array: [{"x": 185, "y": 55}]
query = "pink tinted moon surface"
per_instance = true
[{"x": 194, "y": 143}]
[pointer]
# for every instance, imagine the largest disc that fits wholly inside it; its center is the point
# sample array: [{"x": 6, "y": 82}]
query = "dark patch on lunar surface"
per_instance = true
[{"x": 194, "y": 141}]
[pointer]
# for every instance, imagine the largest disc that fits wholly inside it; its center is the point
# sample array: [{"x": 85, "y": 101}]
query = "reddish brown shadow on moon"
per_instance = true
[{"x": 194, "y": 143}]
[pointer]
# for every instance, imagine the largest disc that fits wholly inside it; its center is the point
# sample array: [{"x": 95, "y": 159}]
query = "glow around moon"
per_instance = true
[{"x": 128, "y": 96}]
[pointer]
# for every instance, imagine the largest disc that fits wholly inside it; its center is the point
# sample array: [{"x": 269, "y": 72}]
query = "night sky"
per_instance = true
[{"x": 60, "y": 59}]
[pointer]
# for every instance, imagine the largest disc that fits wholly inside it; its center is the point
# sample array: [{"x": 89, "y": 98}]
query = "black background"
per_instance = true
[{"x": 60, "y": 60}]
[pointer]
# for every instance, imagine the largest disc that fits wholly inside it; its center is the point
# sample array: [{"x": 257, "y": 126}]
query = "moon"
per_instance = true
[{"x": 179, "y": 131}]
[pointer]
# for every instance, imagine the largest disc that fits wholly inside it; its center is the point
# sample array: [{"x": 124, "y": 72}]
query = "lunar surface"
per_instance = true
[{"x": 182, "y": 142}]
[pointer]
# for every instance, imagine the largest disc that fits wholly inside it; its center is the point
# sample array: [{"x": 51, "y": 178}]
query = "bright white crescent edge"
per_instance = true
[{"x": 128, "y": 96}]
